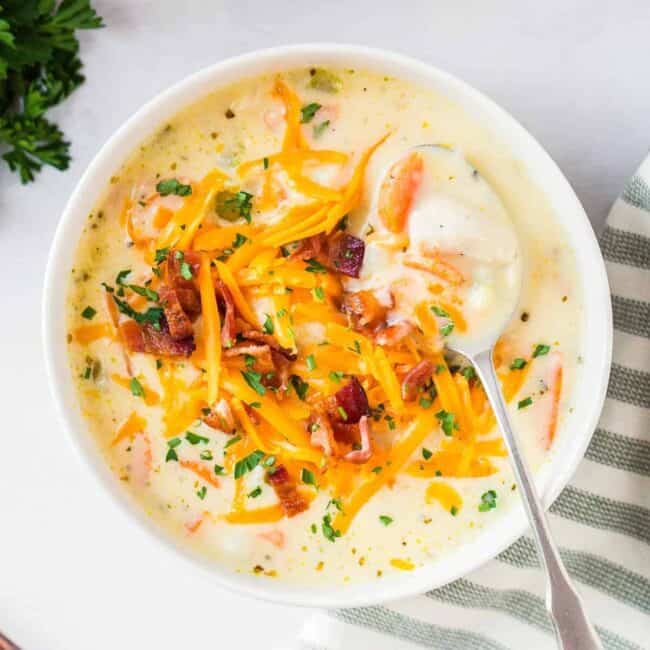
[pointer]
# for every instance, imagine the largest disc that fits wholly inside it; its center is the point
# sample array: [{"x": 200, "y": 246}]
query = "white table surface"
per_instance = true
[{"x": 74, "y": 575}]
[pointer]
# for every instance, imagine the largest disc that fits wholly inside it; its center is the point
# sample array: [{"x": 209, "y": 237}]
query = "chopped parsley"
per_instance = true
[
  {"x": 145, "y": 292},
  {"x": 447, "y": 422},
  {"x": 336, "y": 503},
  {"x": 232, "y": 441},
  {"x": 151, "y": 316},
  {"x": 314, "y": 266},
  {"x": 248, "y": 463},
  {"x": 206, "y": 454},
  {"x": 234, "y": 205},
  {"x": 426, "y": 453},
  {"x": 88, "y": 313},
  {"x": 343, "y": 413},
  {"x": 447, "y": 329},
  {"x": 136, "y": 387},
  {"x": 453, "y": 510},
  {"x": 319, "y": 129},
  {"x": 249, "y": 360},
  {"x": 254, "y": 379},
  {"x": 195, "y": 438},
  {"x": 318, "y": 292},
  {"x": 253, "y": 494},
  {"x": 239, "y": 240},
  {"x": 171, "y": 451},
  {"x": 356, "y": 347},
  {"x": 121, "y": 276},
  {"x": 265, "y": 162},
  {"x": 488, "y": 501},
  {"x": 186, "y": 271},
  {"x": 376, "y": 470},
  {"x": 311, "y": 362},
  {"x": 336, "y": 376},
  {"x": 518, "y": 364},
  {"x": 386, "y": 520},
  {"x": 540, "y": 350},
  {"x": 307, "y": 112},
  {"x": 522, "y": 404},
  {"x": 202, "y": 492},
  {"x": 328, "y": 531},
  {"x": 268, "y": 325},
  {"x": 173, "y": 186},
  {"x": 468, "y": 372},
  {"x": 308, "y": 477},
  {"x": 161, "y": 255},
  {"x": 301, "y": 387},
  {"x": 439, "y": 311},
  {"x": 269, "y": 461},
  {"x": 218, "y": 470},
  {"x": 425, "y": 403}
]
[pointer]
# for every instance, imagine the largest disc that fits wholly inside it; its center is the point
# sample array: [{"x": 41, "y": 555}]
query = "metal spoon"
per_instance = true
[{"x": 573, "y": 629}]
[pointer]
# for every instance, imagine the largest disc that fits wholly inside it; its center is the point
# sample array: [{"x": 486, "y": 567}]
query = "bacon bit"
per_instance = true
[
  {"x": 361, "y": 455},
  {"x": 555, "y": 391},
  {"x": 188, "y": 294},
  {"x": 145, "y": 338},
  {"x": 220, "y": 417},
  {"x": 291, "y": 500},
  {"x": 180, "y": 326},
  {"x": 353, "y": 400},
  {"x": 311, "y": 247},
  {"x": 250, "y": 334},
  {"x": 275, "y": 537},
  {"x": 281, "y": 365},
  {"x": 201, "y": 471},
  {"x": 345, "y": 254},
  {"x": 415, "y": 378},
  {"x": 364, "y": 309},
  {"x": 252, "y": 350},
  {"x": 394, "y": 334},
  {"x": 322, "y": 435},
  {"x": 228, "y": 328}
]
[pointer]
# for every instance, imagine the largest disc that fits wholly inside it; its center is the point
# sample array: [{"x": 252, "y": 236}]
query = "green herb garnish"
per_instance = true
[
  {"x": 386, "y": 520},
  {"x": 447, "y": 422},
  {"x": 268, "y": 325},
  {"x": 253, "y": 494},
  {"x": 136, "y": 387},
  {"x": 488, "y": 501},
  {"x": 248, "y": 464},
  {"x": 173, "y": 186},
  {"x": 426, "y": 453},
  {"x": 254, "y": 380},
  {"x": 195, "y": 438},
  {"x": 522, "y": 404},
  {"x": 328, "y": 531},
  {"x": 540, "y": 350},
  {"x": 314, "y": 266},
  {"x": 88, "y": 313},
  {"x": 308, "y": 477},
  {"x": 518, "y": 364},
  {"x": 307, "y": 112}
]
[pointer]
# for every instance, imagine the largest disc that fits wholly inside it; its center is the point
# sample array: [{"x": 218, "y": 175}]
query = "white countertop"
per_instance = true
[{"x": 73, "y": 574}]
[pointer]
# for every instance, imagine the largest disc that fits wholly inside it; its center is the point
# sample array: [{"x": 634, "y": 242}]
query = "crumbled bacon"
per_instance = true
[
  {"x": 361, "y": 455},
  {"x": 345, "y": 254},
  {"x": 311, "y": 247},
  {"x": 364, "y": 309},
  {"x": 281, "y": 365},
  {"x": 180, "y": 326},
  {"x": 249, "y": 334},
  {"x": 188, "y": 294},
  {"x": 322, "y": 435},
  {"x": 220, "y": 417},
  {"x": 415, "y": 379},
  {"x": 146, "y": 338},
  {"x": 352, "y": 399},
  {"x": 228, "y": 328},
  {"x": 394, "y": 334},
  {"x": 291, "y": 500}
]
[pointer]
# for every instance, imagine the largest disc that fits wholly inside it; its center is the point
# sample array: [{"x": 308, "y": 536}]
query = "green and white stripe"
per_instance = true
[{"x": 601, "y": 520}]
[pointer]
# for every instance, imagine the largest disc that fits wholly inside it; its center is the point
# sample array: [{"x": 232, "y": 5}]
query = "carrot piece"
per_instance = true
[
  {"x": 265, "y": 515},
  {"x": 203, "y": 472},
  {"x": 398, "y": 190},
  {"x": 212, "y": 328},
  {"x": 555, "y": 390}
]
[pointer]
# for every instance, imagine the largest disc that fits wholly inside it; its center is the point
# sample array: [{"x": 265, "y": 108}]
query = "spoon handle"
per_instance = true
[{"x": 573, "y": 629}]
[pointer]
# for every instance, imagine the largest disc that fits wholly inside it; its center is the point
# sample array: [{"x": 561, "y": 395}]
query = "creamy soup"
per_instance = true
[{"x": 258, "y": 317}]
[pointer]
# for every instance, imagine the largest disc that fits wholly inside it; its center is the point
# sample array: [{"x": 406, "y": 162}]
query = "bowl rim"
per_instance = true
[{"x": 499, "y": 534}]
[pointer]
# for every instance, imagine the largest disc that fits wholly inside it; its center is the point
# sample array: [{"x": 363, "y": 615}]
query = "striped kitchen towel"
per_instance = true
[{"x": 601, "y": 521}]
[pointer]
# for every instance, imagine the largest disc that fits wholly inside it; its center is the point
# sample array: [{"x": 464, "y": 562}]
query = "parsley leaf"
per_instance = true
[
  {"x": 136, "y": 387},
  {"x": 540, "y": 350},
  {"x": 173, "y": 186},
  {"x": 268, "y": 325},
  {"x": 386, "y": 520},
  {"x": 253, "y": 494},
  {"x": 88, "y": 313},
  {"x": 234, "y": 205},
  {"x": 328, "y": 531},
  {"x": 248, "y": 463},
  {"x": 195, "y": 438},
  {"x": 300, "y": 386},
  {"x": 518, "y": 364},
  {"x": 314, "y": 266},
  {"x": 307, "y": 112},
  {"x": 319, "y": 129},
  {"x": 447, "y": 422},
  {"x": 522, "y": 404},
  {"x": 488, "y": 501},
  {"x": 308, "y": 477},
  {"x": 254, "y": 380},
  {"x": 426, "y": 453}
]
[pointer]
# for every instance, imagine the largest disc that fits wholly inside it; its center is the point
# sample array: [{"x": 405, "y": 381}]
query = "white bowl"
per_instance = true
[{"x": 589, "y": 395}]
